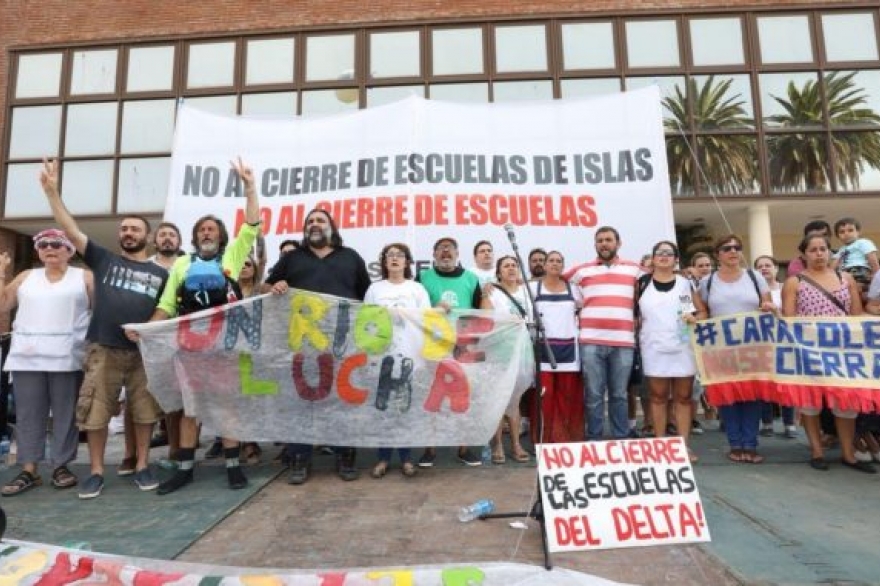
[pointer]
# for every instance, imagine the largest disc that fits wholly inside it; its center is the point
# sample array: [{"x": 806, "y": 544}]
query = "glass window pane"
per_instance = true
[
  {"x": 785, "y": 39},
  {"x": 729, "y": 163},
  {"x": 588, "y": 45},
  {"x": 717, "y": 41},
  {"x": 395, "y": 55},
  {"x": 680, "y": 159},
  {"x": 150, "y": 69},
  {"x": 211, "y": 65},
  {"x": 378, "y": 96},
  {"x": 269, "y": 61},
  {"x": 143, "y": 185},
  {"x": 573, "y": 88},
  {"x": 518, "y": 91},
  {"x": 330, "y": 57},
  {"x": 274, "y": 104},
  {"x": 672, "y": 92},
  {"x": 24, "y": 196},
  {"x": 723, "y": 101},
  {"x": 457, "y": 51},
  {"x": 35, "y": 132},
  {"x": 93, "y": 72},
  {"x": 225, "y": 105},
  {"x": 853, "y": 97},
  {"x": 39, "y": 76},
  {"x": 858, "y": 160},
  {"x": 797, "y": 162},
  {"x": 87, "y": 186},
  {"x": 91, "y": 129},
  {"x": 461, "y": 92},
  {"x": 520, "y": 48},
  {"x": 652, "y": 43},
  {"x": 322, "y": 102},
  {"x": 147, "y": 126},
  {"x": 790, "y": 100},
  {"x": 849, "y": 37}
]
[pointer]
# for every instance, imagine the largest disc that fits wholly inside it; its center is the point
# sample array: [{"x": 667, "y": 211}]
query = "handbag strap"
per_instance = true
[
  {"x": 519, "y": 307},
  {"x": 825, "y": 291}
]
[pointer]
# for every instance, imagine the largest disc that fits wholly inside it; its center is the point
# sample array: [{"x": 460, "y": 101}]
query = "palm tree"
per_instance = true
[
  {"x": 729, "y": 161},
  {"x": 800, "y": 160}
]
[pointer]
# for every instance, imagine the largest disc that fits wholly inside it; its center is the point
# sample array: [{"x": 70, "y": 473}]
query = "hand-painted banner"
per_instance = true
[
  {"x": 311, "y": 368},
  {"x": 619, "y": 493},
  {"x": 417, "y": 170},
  {"x": 792, "y": 361},
  {"x": 25, "y": 563}
]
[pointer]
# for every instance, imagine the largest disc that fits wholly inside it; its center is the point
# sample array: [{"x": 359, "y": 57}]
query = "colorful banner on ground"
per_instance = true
[
  {"x": 23, "y": 563},
  {"x": 792, "y": 361},
  {"x": 619, "y": 493},
  {"x": 318, "y": 369},
  {"x": 417, "y": 170}
]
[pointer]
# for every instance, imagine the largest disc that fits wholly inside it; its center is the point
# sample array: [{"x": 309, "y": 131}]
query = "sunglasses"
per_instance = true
[
  {"x": 53, "y": 244},
  {"x": 730, "y": 248},
  {"x": 248, "y": 264}
]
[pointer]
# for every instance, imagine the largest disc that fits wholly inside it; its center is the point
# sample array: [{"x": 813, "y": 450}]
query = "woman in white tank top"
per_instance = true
[{"x": 46, "y": 356}]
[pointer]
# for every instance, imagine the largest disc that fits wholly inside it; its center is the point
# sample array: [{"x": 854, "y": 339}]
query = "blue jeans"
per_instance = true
[
  {"x": 384, "y": 454},
  {"x": 741, "y": 424},
  {"x": 606, "y": 367},
  {"x": 767, "y": 414}
]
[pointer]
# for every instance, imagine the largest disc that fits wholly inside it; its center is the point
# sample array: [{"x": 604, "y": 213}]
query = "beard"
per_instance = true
[
  {"x": 607, "y": 255},
  {"x": 538, "y": 271},
  {"x": 319, "y": 238},
  {"x": 132, "y": 246},
  {"x": 208, "y": 248},
  {"x": 167, "y": 248}
]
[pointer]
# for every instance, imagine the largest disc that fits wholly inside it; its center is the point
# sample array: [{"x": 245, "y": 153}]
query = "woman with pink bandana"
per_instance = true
[{"x": 46, "y": 356}]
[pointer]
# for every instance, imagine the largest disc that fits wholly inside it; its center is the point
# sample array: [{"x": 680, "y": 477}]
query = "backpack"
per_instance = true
[{"x": 205, "y": 285}]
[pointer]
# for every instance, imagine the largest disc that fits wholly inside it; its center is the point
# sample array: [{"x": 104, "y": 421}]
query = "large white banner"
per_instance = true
[
  {"x": 418, "y": 170},
  {"x": 310, "y": 368}
]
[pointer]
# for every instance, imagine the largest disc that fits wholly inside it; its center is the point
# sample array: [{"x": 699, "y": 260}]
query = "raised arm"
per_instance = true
[
  {"x": 49, "y": 181},
  {"x": 246, "y": 174}
]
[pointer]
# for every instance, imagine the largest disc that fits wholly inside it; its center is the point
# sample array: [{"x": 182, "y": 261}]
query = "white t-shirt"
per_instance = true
[
  {"x": 485, "y": 275},
  {"x": 406, "y": 295}
]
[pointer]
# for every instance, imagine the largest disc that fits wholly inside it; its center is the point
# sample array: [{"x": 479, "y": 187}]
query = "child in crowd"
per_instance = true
[{"x": 857, "y": 256}]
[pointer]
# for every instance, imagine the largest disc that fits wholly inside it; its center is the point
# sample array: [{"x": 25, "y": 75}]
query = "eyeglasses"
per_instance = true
[
  {"x": 395, "y": 255},
  {"x": 730, "y": 248},
  {"x": 53, "y": 244},
  {"x": 249, "y": 264},
  {"x": 664, "y": 253},
  {"x": 444, "y": 248}
]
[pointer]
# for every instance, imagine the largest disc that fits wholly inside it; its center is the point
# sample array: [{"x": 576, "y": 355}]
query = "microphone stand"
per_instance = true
[{"x": 536, "y": 511}]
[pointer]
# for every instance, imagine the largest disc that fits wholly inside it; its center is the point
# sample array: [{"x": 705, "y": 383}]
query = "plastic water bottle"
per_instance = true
[
  {"x": 476, "y": 510},
  {"x": 684, "y": 330},
  {"x": 486, "y": 455},
  {"x": 4, "y": 454}
]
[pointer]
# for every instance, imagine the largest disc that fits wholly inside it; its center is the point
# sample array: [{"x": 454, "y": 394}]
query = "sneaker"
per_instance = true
[
  {"x": 180, "y": 479},
  {"x": 236, "y": 478},
  {"x": 215, "y": 451},
  {"x": 469, "y": 458},
  {"x": 634, "y": 434},
  {"x": 145, "y": 479},
  {"x": 862, "y": 456},
  {"x": 126, "y": 467},
  {"x": 427, "y": 459},
  {"x": 790, "y": 432},
  {"x": 696, "y": 427},
  {"x": 91, "y": 486},
  {"x": 345, "y": 464},
  {"x": 299, "y": 470},
  {"x": 766, "y": 431}
]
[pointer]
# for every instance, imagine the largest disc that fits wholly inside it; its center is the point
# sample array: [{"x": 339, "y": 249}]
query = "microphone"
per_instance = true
[{"x": 508, "y": 227}]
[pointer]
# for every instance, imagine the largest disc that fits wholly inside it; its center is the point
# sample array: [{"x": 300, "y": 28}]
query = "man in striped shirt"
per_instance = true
[{"x": 606, "y": 332}]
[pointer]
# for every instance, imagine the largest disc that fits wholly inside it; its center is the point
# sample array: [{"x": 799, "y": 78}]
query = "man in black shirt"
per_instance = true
[{"x": 323, "y": 265}]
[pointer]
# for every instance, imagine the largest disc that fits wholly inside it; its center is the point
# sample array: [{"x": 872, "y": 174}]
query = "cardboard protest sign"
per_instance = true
[
  {"x": 619, "y": 493},
  {"x": 796, "y": 361},
  {"x": 417, "y": 170},
  {"x": 310, "y": 368}
]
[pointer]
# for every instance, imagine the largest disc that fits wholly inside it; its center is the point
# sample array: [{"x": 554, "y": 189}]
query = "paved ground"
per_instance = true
[{"x": 775, "y": 523}]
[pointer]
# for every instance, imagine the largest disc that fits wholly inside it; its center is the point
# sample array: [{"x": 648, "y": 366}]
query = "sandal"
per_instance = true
[
  {"x": 736, "y": 456},
  {"x": 521, "y": 456},
  {"x": 408, "y": 469},
  {"x": 21, "y": 483},
  {"x": 752, "y": 457},
  {"x": 498, "y": 458},
  {"x": 251, "y": 453},
  {"x": 379, "y": 470},
  {"x": 62, "y": 477}
]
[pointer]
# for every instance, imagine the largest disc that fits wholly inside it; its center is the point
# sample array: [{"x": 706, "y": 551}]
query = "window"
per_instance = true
[
  {"x": 147, "y": 126},
  {"x": 210, "y": 65},
  {"x": 91, "y": 129},
  {"x": 652, "y": 43},
  {"x": 461, "y": 92},
  {"x": 39, "y": 76},
  {"x": 573, "y": 88},
  {"x": 143, "y": 184},
  {"x": 150, "y": 69},
  {"x": 269, "y": 61},
  {"x": 588, "y": 45},
  {"x": 93, "y": 72},
  {"x": 716, "y": 41},
  {"x": 520, "y": 48},
  {"x": 785, "y": 39},
  {"x": 330, "y": 58},
  {"x": 457, "y": 51},
  {"x": 35, "y": 132},
  {"x": 395, "y": 55},
  {"x": 849, "y": 37},
  {"x": 515, "y": 91}
]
